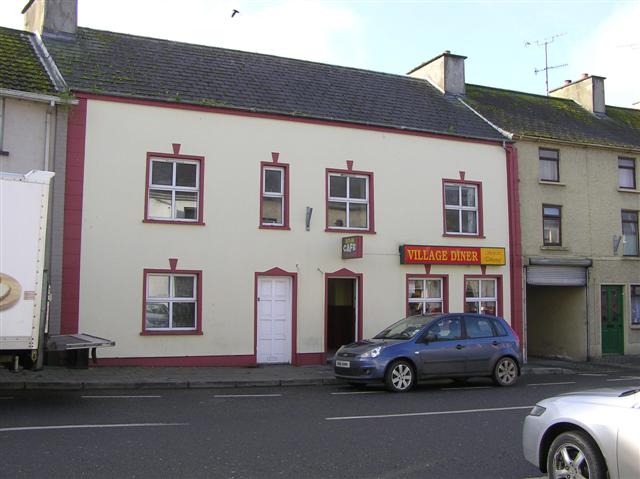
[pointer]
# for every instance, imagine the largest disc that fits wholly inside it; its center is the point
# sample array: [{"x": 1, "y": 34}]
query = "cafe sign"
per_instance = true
[
  {"x": 461, "y": 255},
  {"x": 352, "y": 247}
]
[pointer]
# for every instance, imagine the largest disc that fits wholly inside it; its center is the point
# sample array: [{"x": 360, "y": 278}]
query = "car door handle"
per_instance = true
[
  {"x": 459, "y": 346},
  {"x": 495, "y": 343}
]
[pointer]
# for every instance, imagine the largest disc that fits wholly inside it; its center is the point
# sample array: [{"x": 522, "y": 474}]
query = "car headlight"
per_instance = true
[
  {"x": 537, "y": 410},
  {"x": 372, "y": 353}
]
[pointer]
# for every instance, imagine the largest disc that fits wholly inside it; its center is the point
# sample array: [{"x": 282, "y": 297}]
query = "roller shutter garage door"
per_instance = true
[{"x": 556, "y": 275}]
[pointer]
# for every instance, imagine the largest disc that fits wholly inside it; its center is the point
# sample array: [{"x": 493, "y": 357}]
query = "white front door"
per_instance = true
[{"x": 274, "y": 320}]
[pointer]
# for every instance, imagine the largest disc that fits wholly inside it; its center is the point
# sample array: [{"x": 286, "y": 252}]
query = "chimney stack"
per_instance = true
[
  {"x": 54, "y": 17},
  {"x": 588, "y": 92},
  {"x": 445, "y": 72}
]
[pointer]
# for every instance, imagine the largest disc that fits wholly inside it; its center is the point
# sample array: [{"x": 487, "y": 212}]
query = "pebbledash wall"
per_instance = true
[{"x": 109, "y": 245}]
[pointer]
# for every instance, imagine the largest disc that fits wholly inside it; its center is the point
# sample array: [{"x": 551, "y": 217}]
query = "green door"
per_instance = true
[{"x": 612, "y": 331}]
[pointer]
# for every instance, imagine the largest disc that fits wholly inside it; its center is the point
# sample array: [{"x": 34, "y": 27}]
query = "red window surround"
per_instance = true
[
  {"x": 173, "y": 271},
  {"x": 175, "y": 156},
  {"x": 445, "y": 289},
  {"x": 499, "y": 294},
  {"x": 285, "y": 199},
  {"x": 461, "y": 181},
  {"x": 371, "y": 217}
]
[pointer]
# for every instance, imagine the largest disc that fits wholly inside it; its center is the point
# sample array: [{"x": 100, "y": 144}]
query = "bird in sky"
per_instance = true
[{"x": 233, "y": 14}]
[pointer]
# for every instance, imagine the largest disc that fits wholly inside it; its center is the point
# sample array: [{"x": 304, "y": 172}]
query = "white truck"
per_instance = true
[{"x": 24, "y": 212}]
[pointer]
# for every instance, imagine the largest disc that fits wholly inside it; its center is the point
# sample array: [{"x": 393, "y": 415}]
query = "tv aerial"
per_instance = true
[{"x": 547, "y": 67}]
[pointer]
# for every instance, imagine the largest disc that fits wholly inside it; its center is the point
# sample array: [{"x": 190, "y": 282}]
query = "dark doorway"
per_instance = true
[{"x": 341, "y": 312}]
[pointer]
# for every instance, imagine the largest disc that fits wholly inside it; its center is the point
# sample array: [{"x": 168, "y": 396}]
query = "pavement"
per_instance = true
[{"x": 101, "y": 378}]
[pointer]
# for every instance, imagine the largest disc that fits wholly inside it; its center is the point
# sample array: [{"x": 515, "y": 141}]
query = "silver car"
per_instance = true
[{"x": 591, "y": 434}]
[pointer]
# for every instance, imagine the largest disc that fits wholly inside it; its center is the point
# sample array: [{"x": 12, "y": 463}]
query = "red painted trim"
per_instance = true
[
  {"x": 294, "y": 310},
  {"x": 285, "y": 199},
  {"x": 369, "y": 175},
  {"x": 350, "y": 165},
  {"x": 499, "y": 289},
  {"x": 478, "y": 185},
  {"x": 343, "y": 273},
  {"x": 275, "y": 156},
  {"x": 173, "y": 272},
  {"x": 180, "y": 361},
  {"x": 282, "y": 117},
  {"x": 175, "y": 156},
  {"x": 462, "y": 175},
  {"x": 515, "y": 241},
  {"x": 173, "y": 263},
  {"x": 308, "y": 359},
  {"x": 445, "y": 289},
  {"x": 72, "y": 236}
]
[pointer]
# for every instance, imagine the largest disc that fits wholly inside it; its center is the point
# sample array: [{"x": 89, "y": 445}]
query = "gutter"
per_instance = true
[
  {"x": 24, "y": 95},
  {"x": 626, "y": 149}
]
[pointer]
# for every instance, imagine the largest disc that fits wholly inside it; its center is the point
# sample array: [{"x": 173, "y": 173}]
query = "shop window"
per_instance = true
[
  {"x": 425, "y": 295},
  {"x": 172, "y": 302},
  {"x": 349, "y": 201},
  {"x": 635, "y": 304},
  {"x": 627, "y": 173},
  {"x": 462, "y": 208},
  {"x": 549, "y": 164},
  {"x": 174, "y": 190},
  {"x": 630, "y": 232},
  {"x": 481, "y": 296},
  {"x": 274, "y": 196},
  {"x": 551, "y": 225}
]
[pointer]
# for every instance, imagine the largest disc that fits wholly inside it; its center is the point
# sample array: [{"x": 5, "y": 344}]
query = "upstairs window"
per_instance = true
[
  {"x": 630, "y": 233},
  {"x": 349, "y": 201},
  {"x": 274, "y": 201},
  {"x": 551, "y": 223},
  {"x": 549, "y": 164},
  {"x": 627, "y": 173},
  {"x": 173, "y": 190},
  {"x": 462, "y": 211}
]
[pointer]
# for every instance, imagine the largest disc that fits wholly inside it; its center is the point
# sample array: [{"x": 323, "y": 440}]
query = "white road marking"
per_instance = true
[
  {"x": 626, "y": 378},
  {"x": 430, "y": 413},
  {"x": 247, "y": 395},
  {"x": 551, "y": 384},
  {"x": 92, "y": 426},
  {"x": 592, "y": 374},
  {"x": 119, "y": 397},
  {"x": 465, "y": 387},
  {"x": 346, "y": 393}
]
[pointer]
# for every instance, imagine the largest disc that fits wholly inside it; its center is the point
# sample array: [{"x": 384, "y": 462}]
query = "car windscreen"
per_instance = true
[{"x": 406, "y": 328}]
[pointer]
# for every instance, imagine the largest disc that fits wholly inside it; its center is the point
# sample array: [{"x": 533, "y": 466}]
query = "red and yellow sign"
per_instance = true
[{"x": 462, "y": 255}]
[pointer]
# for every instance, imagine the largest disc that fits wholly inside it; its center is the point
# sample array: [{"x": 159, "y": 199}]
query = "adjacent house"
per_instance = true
[
  {"x": 33, "y": 133},
  {"x": 579, "y": 205},
  {"x": 225, "y": 207}
]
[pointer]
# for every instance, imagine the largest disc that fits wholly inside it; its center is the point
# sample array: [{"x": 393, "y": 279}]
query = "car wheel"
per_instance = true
[
  {"x": 505, "y": 373},
  {"x": 400, "y": 376},
  {"x": 573, "y": 454}
]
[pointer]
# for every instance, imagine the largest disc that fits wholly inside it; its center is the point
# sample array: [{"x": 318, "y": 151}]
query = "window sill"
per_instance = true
[
  {"x": 455, "y": 235},
  {"x": 628, "y": 190},
  {"x": 349, "y": 230},
  {"x": 635, "y": 327},
  {"x": 267, "y": 227},
  {"x": 171, "y": 333},
  {"x": 172, "y": 222},
  {"x": 554, "y": 248},
  {"x": 551, "y": 183},
  {"x": 632, "y": 258},
  {"x": 4, "y": 153}
]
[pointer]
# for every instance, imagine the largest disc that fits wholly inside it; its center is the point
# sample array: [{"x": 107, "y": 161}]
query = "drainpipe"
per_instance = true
[{"x": 47, "y": 137}]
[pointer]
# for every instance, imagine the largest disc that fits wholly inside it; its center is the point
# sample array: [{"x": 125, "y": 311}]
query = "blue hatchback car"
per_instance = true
[{"x": 451, "y": 345}]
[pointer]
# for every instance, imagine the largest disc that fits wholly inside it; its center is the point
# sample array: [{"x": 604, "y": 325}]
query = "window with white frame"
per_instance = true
[
  {"x": 273, "y": 196},
  {"x": 630, "y": 233},
  {"x": 481, "y": 296},
  {"x": 461, "y": 209},
  {"x": 627, "y": 173},
  {"x": 549, "y": 164},
  {"x": 171, "y": 302},
  {"x": 173, "y": 190},
  {"x": 635, "y": 304},
  {"x": 425, "y": 295},
  {"x": 348, "y": 201},
  {"x": 551, "y": 225}
]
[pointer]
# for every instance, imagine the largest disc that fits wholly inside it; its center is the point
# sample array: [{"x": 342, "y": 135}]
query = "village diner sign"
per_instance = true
[{"x": 418, "y": 254}]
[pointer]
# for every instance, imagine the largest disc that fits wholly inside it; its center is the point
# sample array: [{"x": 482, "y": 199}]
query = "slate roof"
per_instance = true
[
  {"x": 528, "y": 115},
  {"x": 20, "y": 65},
  {"x": 123, "y": 65}
]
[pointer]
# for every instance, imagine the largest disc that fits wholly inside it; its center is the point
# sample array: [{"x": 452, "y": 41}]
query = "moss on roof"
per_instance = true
[
  {"x": 526, "y": 114},
  {"x": 20, "y": 67}
]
